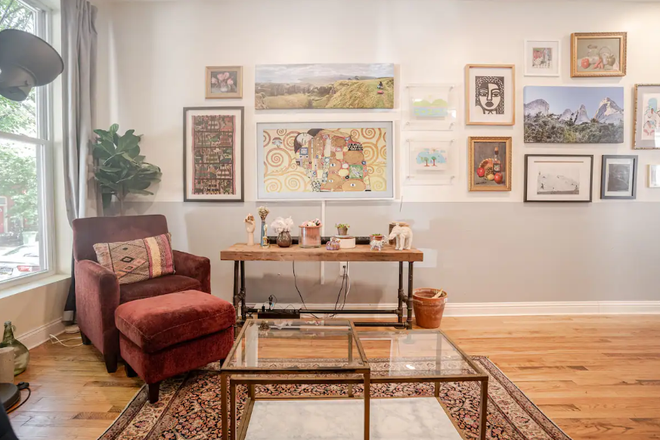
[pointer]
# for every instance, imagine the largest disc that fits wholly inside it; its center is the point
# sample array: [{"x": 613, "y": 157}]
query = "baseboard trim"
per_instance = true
[{"x": 39, "y": 335}]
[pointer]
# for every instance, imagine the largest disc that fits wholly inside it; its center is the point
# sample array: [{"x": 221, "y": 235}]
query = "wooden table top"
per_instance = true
[{"x": 361, "y": 252}]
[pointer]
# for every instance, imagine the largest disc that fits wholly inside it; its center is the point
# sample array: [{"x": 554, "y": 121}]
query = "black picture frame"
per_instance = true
[
  {"x": 591, "y": 178},
  {"x": 241, "y": 166},
  {"x": 603, "y": 175}
]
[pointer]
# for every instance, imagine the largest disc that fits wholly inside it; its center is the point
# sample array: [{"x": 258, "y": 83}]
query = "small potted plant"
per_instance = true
[
  {"x": 342, "y": 228},
  {"x": 282, "y": 227},
  {"x": 376, "y": 242},
  {"x": 377, "y": 237},
  {"x": 310, "y": 234}
]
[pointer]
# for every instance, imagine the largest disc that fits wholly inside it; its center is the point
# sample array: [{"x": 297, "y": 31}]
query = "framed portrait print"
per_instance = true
[
  {"x": 646, "y": 134},
  {"x": 595, "y": 54},
  {"x": 489, "y": 163},
  {"x": 618, "y": 177},
  {"x": 542, "y": 58},
  {"x": 654, "y": 176},
  {"x": 558, "y": 178},
  {"x": 490, "y": 95},
  {"x": 213, "y": 154},
  {"x": 224, "y": 82}
]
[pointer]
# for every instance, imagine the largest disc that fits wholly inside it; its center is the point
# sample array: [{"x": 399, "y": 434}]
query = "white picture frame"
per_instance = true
[
  {"x": 654, "y": 176},
  {"x": 439, "y": 169},
  {"x": 542, "y": 57},
  {"x": 431, "y": 107}
]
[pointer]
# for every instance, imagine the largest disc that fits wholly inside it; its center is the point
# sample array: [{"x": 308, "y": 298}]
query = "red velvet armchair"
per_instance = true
[{"x": 98, "y": 293}]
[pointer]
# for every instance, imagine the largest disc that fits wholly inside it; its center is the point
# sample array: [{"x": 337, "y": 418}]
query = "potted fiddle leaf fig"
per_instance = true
[{"x": 121, "y": 170}]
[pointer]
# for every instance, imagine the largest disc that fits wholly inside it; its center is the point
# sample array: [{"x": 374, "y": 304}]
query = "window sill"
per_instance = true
[{"x": 33, "y": 284}]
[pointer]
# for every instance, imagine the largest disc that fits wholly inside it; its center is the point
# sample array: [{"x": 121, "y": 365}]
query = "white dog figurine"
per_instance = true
[{"x": 403, "y": 236}]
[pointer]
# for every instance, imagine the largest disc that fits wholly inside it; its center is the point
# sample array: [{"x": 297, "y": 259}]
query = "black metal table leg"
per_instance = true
[
  {"x": 400, "y": 294},
  {"x": 243, "y": 308},
  {"x": 409, "y": 316},
  {"x": 236, "y": 297}
]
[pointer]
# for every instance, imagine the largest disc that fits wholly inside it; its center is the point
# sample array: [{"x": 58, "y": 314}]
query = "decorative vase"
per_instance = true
[
  {"x": 284, "y": 239},
  {"x": 310, "y": 236},
  {"x": 21, "y": 353},
  {"x": 264, "y": 235}
]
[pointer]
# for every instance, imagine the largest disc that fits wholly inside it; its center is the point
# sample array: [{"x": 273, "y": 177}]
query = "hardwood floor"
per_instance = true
[{"x": 597, "y": 377}]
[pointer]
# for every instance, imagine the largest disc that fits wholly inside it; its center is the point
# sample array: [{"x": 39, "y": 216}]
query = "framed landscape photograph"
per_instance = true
[
  {"x": 618, "y": 177},
  {"x": 213, "y": 154},
  {"x": 558, "y": 178},
  {"x": 490, "y": 94},
  {"x": 489, "y": 163},
  {"x": 654, "y": 176},
  {"x": 646, "y": 134},
  {"x": 224, "y": 82},
  {"x": 542, "y": 58},
  {"x": 325, "y": 161},
  {"x": 573, "y": 115},
  {"x": 597, "y": 54}
]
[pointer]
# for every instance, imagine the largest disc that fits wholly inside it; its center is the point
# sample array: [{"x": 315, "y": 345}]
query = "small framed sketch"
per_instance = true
[
  {"x": 490, "y": 94},
  {"x": 654, "y": 176},
  {"x": 489, "y": 163},
  {"x": 430, "y": 162},
  {"x": 618, "y": 177},
  {"x": 431, "y": 107},
  {"x": 558, "y": 178},
  {"x": 213, "y": 154},
  {"x": 646, "y": 134},
  {"x": 224, "y": 82},
  {"x": 596, "y": 54},
  {"x": 542, "y": 58}
]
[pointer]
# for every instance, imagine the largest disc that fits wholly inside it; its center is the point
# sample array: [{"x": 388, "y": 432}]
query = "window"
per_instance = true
[{"x": 25, "y": 150}]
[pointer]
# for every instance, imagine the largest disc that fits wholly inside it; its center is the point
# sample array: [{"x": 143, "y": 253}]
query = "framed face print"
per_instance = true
[
  {"x": 619, "y": 177},
  {"x": 542, "y": 58},
  {"x": 595, "y": 54},
  {"x": 490, "y": 95},
  {"x": 647, "y": 117}
]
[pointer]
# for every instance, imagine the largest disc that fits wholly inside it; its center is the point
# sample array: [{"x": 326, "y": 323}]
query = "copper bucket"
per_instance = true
[{"x": 428, "y": 310}]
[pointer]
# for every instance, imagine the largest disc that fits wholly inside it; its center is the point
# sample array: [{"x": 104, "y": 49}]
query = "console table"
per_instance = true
[{"x": 240, "y": 253}]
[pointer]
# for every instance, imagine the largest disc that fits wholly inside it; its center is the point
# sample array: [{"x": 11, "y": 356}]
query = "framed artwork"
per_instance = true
[
  {"x": 224, "y": 82},
  {"x": 213, "y": 154},
  {"x": 618, "y": 177},
  {"x": 490, "y": 94},
  {"x": 654, "y": 176},
  {"x": 558, "y": 177},
  {"x": 542, "y": 58},
  {"x": 573, "y": 115},
  {"x": 430, "y": 162},
  {"x": 596, "y": 54},
  {"x": 325, "y": 161},
  {"x": 646, "y": 134},
  {"x": 489, "y": 163},
  {"x": 318, "y": 86},
  {"x": 431, "y": 107}
]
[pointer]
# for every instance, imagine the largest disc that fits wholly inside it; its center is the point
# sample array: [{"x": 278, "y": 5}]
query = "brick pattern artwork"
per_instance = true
[{"x": 214, "y": 144}]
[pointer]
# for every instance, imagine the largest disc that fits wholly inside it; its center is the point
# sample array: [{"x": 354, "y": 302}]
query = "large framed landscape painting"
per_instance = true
[
  {"x": 325, "y": 161},
  {"x": 574, "y": 115},
  {"x": 647, "y": 117},
  {"x": 213, "y": 154},
  {"x": 598, "y": 54},
  {"x": 489, "y": 163},
  {"x": 329, "y": 86},
  {"x": 558, "y": 178},
  {"x": 490, "y": 94}
]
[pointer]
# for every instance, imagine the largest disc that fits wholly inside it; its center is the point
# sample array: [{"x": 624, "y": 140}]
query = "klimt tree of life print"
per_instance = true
[
  {"x": 213, "y": 149},
  {"x": 314, "y": 161}
]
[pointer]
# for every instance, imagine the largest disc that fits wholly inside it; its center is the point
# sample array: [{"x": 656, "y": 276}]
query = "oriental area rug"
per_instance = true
[{"x": 189, "y": 407}]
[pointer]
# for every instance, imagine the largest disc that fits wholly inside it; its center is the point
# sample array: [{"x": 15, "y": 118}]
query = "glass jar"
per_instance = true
[
  {"x": 284, "y": 239},
  {"x": 21, "y": 353},
  {"x": 264, "y": 235},
  {"x": 310, "y": 236}
]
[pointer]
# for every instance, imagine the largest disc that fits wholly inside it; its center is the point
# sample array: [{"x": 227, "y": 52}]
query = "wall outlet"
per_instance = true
[{"x": 343, "y": 268}]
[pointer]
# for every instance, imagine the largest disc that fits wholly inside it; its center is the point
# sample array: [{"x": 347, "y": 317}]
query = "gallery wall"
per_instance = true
[{"x": 481, "y": 247}]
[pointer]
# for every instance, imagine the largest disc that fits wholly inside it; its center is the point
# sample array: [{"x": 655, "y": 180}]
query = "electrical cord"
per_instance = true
[
  {"x": 55, "y": 340},
  {"x": 21, "y": 386},
  {"x": 345, "y": 288}
]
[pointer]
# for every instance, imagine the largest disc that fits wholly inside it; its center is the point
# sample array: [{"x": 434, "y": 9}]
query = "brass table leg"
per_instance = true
[
  {"x": 484, "y": 409},
  {"x": 223, "y": 406},
  {"x": 367, "y": 405},
  {"x": 232, "y": 409},
  {"x": 437, "y": 389}
]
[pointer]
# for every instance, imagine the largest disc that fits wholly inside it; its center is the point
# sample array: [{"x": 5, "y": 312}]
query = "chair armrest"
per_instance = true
[{"x": 192, "y": 266}]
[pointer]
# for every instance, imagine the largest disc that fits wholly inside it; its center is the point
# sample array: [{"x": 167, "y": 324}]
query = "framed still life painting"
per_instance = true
[
  {"x": 597, "y": 54},
  {"x": 647, "y": 119},
  {"x": 224, "y": 82},
  {"x": 490, "y": 94},
  {"x": 489, "y": 163},
  {"x": 430, "y": 162},
  {"x": 325, "y": 161},
  {"x": 558, "y": 178},
  {"x": 542, "y": 58},
  {"x": 213, "y": 154},
  {"x": 618, "y": 177}
]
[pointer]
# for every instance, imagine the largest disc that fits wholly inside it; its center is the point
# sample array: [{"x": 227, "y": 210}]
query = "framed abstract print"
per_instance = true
[
  {"x": 647, "y": 119},
  {"x": 597, "y": 54},
  {"x": 489, "y": 163},
  {"x": 431, "y": 107},
  {"x": 325, "y": 161},
  {"x": 224, "y": 82},
  {"x": 542, "y": 58},
  {"x": 490, "y": 94},
  {"x": 618, "y": 177},
  {"x": 213, "y": 154},
  {"x": 430, "y": 162},
  {"x": 654, "y": 176},
  {"x": 558, "y": 177}
]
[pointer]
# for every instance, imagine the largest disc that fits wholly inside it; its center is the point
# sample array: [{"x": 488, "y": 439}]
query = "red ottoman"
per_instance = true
[{"x": 162, "y": 336}]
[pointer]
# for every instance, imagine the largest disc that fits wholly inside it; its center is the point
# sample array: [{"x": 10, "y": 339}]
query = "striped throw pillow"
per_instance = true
[{"x": 137, "y": 260}]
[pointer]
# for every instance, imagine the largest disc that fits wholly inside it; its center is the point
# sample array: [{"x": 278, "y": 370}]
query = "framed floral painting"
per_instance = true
[
  {"x": 490, "y": 94},
  {"x": 224, "y": 82},
  {"x": 597, "y": 54}
]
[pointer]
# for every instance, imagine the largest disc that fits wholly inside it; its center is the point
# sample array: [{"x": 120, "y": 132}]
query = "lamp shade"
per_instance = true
[{"x": 26, "y": 61}]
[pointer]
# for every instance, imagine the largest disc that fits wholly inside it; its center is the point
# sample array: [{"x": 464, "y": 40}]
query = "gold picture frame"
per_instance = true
[
  {"x": 477, "y": 160},
  {"x": 598, "y": 54},
  {"x": 644, "y": 138},
  {"x": 233, "y": 82},
  {"x": 508, "y": 101}
]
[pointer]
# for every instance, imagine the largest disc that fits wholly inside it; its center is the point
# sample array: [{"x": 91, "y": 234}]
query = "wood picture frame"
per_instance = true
[
  {"x": 618, "y": 180},
  {"x": 482, "y": 171},
  {"x": 550, "y": 195},
  {"x": 595, "y": 54},
  {"x": 646, "y": 117},
  {"x": 232, "y": 82},
  {"x": 490, "y": 94},
  {"x": 220, "y": 130}
]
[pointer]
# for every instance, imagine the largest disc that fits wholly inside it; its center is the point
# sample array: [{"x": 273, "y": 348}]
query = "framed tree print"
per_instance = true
[
  {"x": 489, "y": 162},
  {"x": 558, "y": 177},
  {"x": 213, "y": 154},
  {"x": 618, "y": 177},
  {"x": 646, "y": 134},
  {"x": 490, "y": 94},
  {"x": 598, "y": 54}
]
